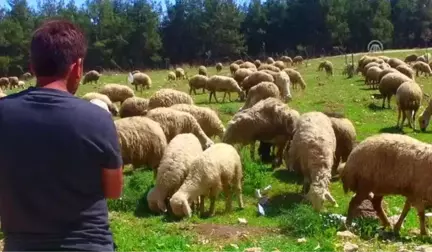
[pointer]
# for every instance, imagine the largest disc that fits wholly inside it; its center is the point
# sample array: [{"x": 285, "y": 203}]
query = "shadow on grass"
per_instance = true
[
  {"x": 288, "y": 176},
  {"x": 278, "y": 204},
  {"x": 372, "y": 106},
  {"x": 392, "y": 129}
]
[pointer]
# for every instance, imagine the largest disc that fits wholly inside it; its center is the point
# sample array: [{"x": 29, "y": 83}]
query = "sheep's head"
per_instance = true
[
  {"x": 318, "y": 195},
  {"x": 423, "y": 122},
  {"x": 113, "y": 109},
  {"x": 180, "y": 205},
  {"x": 207, "y": 144},
  {"x": 241, "y": 95},
  {"x": 152, "y": 200}
]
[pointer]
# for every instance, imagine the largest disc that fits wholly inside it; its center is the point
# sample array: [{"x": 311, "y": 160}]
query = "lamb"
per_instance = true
[
  {"x": 117, "y": 92},
  {"x": 171, "y": 76},
  {"x": 270, "y": 60},
  {"x": 26, "y": 76},
  {"x": 174, "y": 122},
  {"x": 411, "y": 58},
  {"x": 223, "y": 84},
  {"x": 134, "y": 106},
  {"x": 254, "y": 79},
  {"x": 287, "y": 60},
  {"x": 269, "y": 120},
  {"x": 196, "y": 82},
  {"x": 422, "y": 67},
  {"x": 233, "y": 68},
  {"x": 408, "y": 99},
  {"x": 166, "y": 97},
  {"x": 425, "y": 117},
  {"x": 142, "y": 141},
  {"x": 207, "y": 118},
  {"x": 372, "y": 76},
  {"x": 141, "y": 79},
  {"x": 279, "y": 64},
  {"x": 173, "y": 169},
  {"x": 91, "y": 76},
  {"x": 4, "y": 82},
  {"x": 298, "y": 60},
  {"x": 389, "y": 85},
  {"x": 219, "y": 67},
  {"x": 327, "y": 66},
  {"x": 313, "y": 148},
  {"x": 295, "y": 78},
  {"x": 209, "y": 174},
  {"x": 13, "y": 82},
  {"x": 403, "y": 170},
  {"x": 268, "y": 67},
  {"x": 112, "y": 108},
  {"x": 248, "y": 65},
  {"x": 202, "y": 70},
  {"x": 180, "y": 73},
  {"x": 395, "y": 62},
  {"x": 406, "y": 70},
  {"x": 241, "y": 74},
  {"x": 260, "y": 92}
]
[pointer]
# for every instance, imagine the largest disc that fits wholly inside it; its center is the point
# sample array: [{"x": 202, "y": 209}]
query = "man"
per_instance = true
[{"x": 59, "y": 155}]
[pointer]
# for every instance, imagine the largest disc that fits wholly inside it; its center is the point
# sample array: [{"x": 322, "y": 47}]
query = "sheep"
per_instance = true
[
  {"x": 287, "y": 60},
  {"x": 91, "y": 76},
  {"x": 219, "y": 67},
  {"x": 313, "y": 148},
  {"x": 295, "y": 78},
  {"x": 241, "y": 74},
  {"x": 279, "y": 64},
  {"x": 142, "y": 141},
  {"x": 173, "y": 169},
  {"x": 134, "y": 106},
  {"x": 372, "y": 76},
  {"x": 248, "y": 65},
  {"x": 395, "y": 62},
  {"x": 238, "y": 62},
  {"x": 141, "y": 79},
  {"x": 389, "y": 85},
  {"x": 117, "y": 92},
  {"x": 171, "y": 76},
  {"x": 411, "y": 58},
  {"x": 269, "y": 120},
  {"x": 13, "y": 82},
  {"x": 422, "y": 67},
  {"x": 283, "y": 82},
  {"x": 385, "y": 72},
  {"x": 268, "y": 67},
  {"x": 100, "y": 104},
  {"x": 270, "y": 60},
  {"x": 425, "y": 117},
  {"x": 422, "y": 59},
  {"x": 257, "y": 63},
  {"x": 223, "y": 84},
  {"x": 327, "y": 66},
  {"x": 384, "y": 66},
  {"x": 21, "y": 84},
  {"x": 389, "y": 164},
  {"x": 207, "y": 118},
  {"x": 180, "y": 73},
  {"x": 208, "y": 175},
  {"x": 260, "y": 92},
  {"x": 369, "y": 65},
  {"x": 26, "y": 76},
  {"x": 298, "y": 60},
  {"x": 233, "y": 68},
  {"x": 408, "y": 99},
  {"x": 166, "y": 97},
  {"x": 135, "y": 71},
  {"x": 384, "y": 58},
  {"x": 254, "y": 79},
  {"x": 196, "y": 82},
  {"x": 202, "y": 70},
  {"x": 112, "y": 108},
  {"x": 174, "y": 122},
  {"x": 348, "y": 70},
  {"x": 4, "y": 82},
  {"x": 406, "y": 70}
]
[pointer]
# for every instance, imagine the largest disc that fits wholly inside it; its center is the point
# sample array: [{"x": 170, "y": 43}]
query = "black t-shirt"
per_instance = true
[{"x": 53, "y": 147}]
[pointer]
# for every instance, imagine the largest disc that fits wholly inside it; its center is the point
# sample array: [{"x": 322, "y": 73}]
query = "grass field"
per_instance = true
[{"x": 287, "y": 218}]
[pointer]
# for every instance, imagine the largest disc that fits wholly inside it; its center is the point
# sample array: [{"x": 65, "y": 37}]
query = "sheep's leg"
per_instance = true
[
  {"x": 388, "y": 101},
  {"x": 223, "y": 99},
  {"x": 190, "y": 91},
  {"x": 402, "y": 217},
  {"x": 383, "y": 104},
  {"x": 194, "y": 91},
  {"x": 203, "y": 90},
  {"x": 229, "y": 97},
  {"x": 228, "y": 198},
  {"x": 210, "y": 96},
  {"x": 421, "y": 214},
  {"x": 214, "y": 94},
  {"x": 212, "y": 205},
  {"x": 398, "y": 118},
  {"x": 201, "y": 205},
  {"x": 238, "y": 190},
  {"x": 408, "y": 115},
  {"x": 354, "y": 203},
  {"x": 413, "y": 118},
  {"x": 376, "y": 202}
]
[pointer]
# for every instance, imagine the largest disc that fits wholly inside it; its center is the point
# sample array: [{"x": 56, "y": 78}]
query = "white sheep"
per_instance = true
[
  {"x": 112, "y": 108},
  {"x": 260, "y": 92},
  {"x": 241, "y": 74},
  {"x": 219, "y": 67},
  {"x": 166, "y": 97},
  {"x": 117, "y": 92},
  {"x": 141, "y": 79},
  {"x": 223, "y": 84},
  {"x": 180, "y": 73},
  {"x": 254, "y": 79},
  {"x": 422, "y": 67},
  {"x": 408, "y": 99},
  {"x": 91, "y": 76},
  {"x": 234, "y": 67},
  {"x": 196, "y": 82},
  {"x": 13, "y": 82},
  {"x": 389, "y": 85},
  {"x": 424, "y": 117},
  {"x": 407, "y": 70},
  {"x": 372, "y": 76},
  {"x": 296, "y": 78},
  {"x": 134, "y": 106},
  {"x": 202, "y": 70},
  {"x": 248, "y": 65},
  {"x": 171, "y": 76}
]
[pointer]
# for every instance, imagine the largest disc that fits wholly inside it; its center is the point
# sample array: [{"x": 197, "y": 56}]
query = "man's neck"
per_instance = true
[{"x": 53, "y": 83}]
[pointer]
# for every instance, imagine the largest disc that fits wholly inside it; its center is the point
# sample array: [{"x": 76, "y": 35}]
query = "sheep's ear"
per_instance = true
[
  {"x": 162, "y": 206},
  {"x": 186, "y": 209}
]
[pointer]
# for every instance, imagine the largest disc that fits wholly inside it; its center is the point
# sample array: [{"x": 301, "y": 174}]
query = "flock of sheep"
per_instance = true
[{"x": 171, "y": 135}]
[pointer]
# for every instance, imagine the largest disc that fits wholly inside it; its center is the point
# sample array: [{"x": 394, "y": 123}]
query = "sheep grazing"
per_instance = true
[
  {"x": 219, "y": 67},
  {"x": 241, "y": 74},
  {"x": 13, "y": 82},
  {"x": 173, "y": 169},
  {"x": 260, "y": 92},
  {"x": 4, "y": 83},
  {"x": 218, "y": 83},
  {"x": 268, "y": 67},
  {"x": 287, "y": 60},
  {"x": 257, "y": 63},
  {"x": 279, "y": 64},
  {"x": 26, "y": 76},
  {"x": 207, "y": 118},
  {"x": 369, "y": 65},
  {"x": 269, "y": 120},
  {"x": 283, "y": 82},
  {"x": 134, "y": 106},
  {"x": 313, "y": 148},
  {"x": 385, "y": 72},
  {"x": 384, "y": 58},
  {"x": 389, "y": 85},
  {"x": 372, "y": 76},
  {"x": 270, "y": 60},
  {"x": 171, "y": 76},
  {"x": 423, "y": 59},
  {"x": 238, "y": 62},
  {"x": 406, "y": 70},
  {"x": 298, "y": 60},
  {"x": 403, "y": 170},
  {"x": 91, "y": 76},
  {"x": 327, "y": 66},
  {"x": 112, "y": 108},
  {"x": 166, "y": 97},
  {"x": 117, "y": 92},
  {"x": 411, "y": 58},
  {"x": 174, "y": 122},
  {"x": 180, "y": 73},
  {"x": 395, "y": 62},
  {"x": 408, "y": 99},
  {"x": 196, "y": 82},
  {"x": 254, "y": 79},
  {"x": 424, "y": 117},
  {"x": 422, "y": 67},
  {"x": 142, "y": 80},
  {"x": 21, "y": 84},
  {"x": 202, "y": 70},
  {"x": 296, "y": 78},
  {"x": 208, "y": 175},
  {"x": 142, "y": 141},
  {"x": 248, "y": 65},
  {"x": 234, "y": 67}
]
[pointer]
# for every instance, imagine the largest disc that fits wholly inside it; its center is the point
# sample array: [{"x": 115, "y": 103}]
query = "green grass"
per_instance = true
[{"x": 288, "y": 217}]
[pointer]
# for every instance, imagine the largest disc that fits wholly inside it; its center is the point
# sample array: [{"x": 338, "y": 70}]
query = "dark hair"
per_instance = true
[{"x": 55, "y": 45}]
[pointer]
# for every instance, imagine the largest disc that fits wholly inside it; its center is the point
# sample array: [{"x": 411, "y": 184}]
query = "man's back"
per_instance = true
[{"x": 52, "y": 151}]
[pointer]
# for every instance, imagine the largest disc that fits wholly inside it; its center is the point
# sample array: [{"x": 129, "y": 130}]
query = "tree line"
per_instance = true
[{"x": 136, "y": 34}]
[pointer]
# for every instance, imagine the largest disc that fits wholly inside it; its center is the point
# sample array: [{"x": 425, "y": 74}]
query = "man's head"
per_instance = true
[{"x": 57, "y": 53}]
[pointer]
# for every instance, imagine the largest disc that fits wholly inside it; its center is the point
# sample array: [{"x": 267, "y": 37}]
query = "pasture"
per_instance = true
[{"x": 288, "y": 218}]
